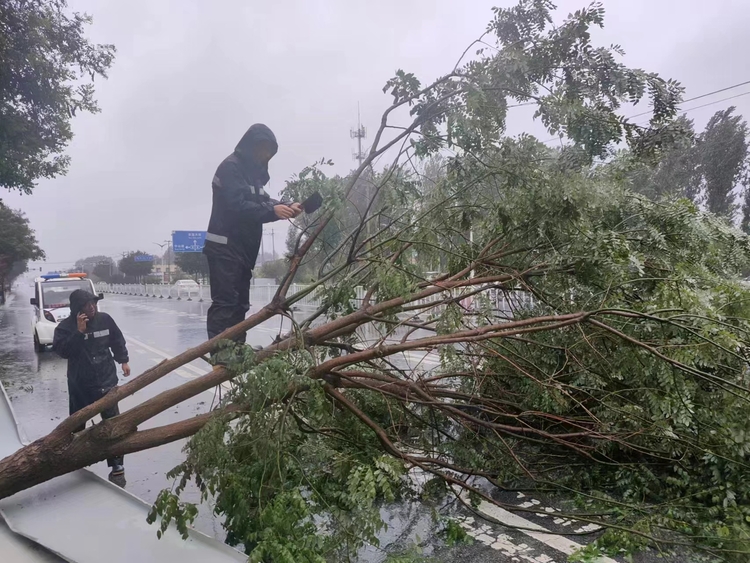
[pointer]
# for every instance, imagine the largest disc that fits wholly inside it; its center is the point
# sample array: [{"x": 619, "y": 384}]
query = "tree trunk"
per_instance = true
[{"x": 57, "y": 453}]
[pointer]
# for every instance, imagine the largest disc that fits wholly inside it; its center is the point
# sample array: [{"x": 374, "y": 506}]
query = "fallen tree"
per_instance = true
[{"x": 591, "y": 341}]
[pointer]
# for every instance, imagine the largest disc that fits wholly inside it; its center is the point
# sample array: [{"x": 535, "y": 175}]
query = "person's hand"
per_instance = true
[
  {"x": 297, "y": 208},
  {"x": 283, "y": 211},
  {"x": 126, "y": 370},
  {"x": 82, "y": 320}
]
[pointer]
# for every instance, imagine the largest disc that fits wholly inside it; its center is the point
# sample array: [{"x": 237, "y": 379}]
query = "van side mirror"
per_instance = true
[
  {"x": 33, "y": 301},
  {"x": 101, "y": 296}
]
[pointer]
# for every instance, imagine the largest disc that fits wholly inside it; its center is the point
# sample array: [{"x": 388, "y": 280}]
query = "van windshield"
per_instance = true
[{"x": 56, "y": 294}]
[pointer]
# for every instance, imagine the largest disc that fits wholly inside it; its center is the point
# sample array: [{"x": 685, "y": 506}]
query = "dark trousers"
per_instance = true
[
  {"x": 230, "y": 294},
  {"x": 80, "y": 397}
]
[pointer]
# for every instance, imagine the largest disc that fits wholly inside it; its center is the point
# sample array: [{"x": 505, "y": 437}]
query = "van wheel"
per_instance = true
[{"x": 38, "y": 346}]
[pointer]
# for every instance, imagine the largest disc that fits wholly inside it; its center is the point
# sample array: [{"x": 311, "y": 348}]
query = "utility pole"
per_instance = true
[
  {"x": 166, "y": 243},
  {"x": 359, "y": 133},
  {"x": 123, "y": 254},
  {"x": 169, "y": 261},
  {"x": 263, "y": 245},
  {"x": 114, "y": 261}
]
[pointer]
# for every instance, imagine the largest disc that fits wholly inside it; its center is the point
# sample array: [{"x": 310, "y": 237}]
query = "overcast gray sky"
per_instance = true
[{"x": 191, "y": 76}]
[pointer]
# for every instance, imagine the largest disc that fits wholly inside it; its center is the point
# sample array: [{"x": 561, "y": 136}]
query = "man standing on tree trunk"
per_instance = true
[
  {"x": 235, "y": 230},
  {"x": 88, "y": 339}
]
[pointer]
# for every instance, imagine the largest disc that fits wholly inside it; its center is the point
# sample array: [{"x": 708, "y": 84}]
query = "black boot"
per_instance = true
[{"x": 117, "y": 476}]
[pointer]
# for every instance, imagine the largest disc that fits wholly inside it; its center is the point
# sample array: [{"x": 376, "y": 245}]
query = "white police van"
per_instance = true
[{"x": 51, "y": 303}]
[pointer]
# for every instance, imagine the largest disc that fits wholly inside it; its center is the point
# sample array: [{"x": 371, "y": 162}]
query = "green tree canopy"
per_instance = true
[
  {"x": 47, "y": 69},
  {"x": 274, "y": 269},
  {"x": 710, "y": 168},
  {"x": 136, "y": 270},
  {"x": 675, "y": 174},
  {"x": 18, "y": 243},
  {"x": 724, "y": 156},
  {"x": 90, "y": 262},
  {"x": 193, "y": 263},
  {"x": 104, "y": 269},
  {"x": 590, "y": 342}
]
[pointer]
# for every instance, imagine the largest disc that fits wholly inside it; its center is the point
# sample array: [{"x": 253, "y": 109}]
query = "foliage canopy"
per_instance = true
[
  {"x": 47, "y": 70},
  {"x": 592, "y": 341}
]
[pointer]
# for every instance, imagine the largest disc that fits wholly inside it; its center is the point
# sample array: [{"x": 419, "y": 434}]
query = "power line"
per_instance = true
[
  {"x": 719, "y": 91},
  {"x": 688, "y": 100},
  {"x": 717, "y": 101},
  {"x": 683, "y": 112},
  {"x": 706, "y": 95}
]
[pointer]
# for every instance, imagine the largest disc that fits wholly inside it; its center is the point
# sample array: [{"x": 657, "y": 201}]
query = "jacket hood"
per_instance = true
[
  {"x": 255, "y": 168},
  {"x": 78, "y": 299}
]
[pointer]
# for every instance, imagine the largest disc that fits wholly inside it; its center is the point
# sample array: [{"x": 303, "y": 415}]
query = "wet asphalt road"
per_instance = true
[
  {"x": 37, "y": 385},
  {"x": 156, "y": 329}
]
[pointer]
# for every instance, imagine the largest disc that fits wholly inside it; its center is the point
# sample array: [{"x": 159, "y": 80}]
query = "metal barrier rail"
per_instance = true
[
  {"x": 503, "y": 302},
  {"x": 156, "y": 290}
]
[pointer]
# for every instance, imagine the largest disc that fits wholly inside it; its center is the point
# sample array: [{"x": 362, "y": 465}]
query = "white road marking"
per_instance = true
[
  {"x": 533, "y": 530},
  {"x": 588, "y": 528},
  {"x": 165, "y": 355},
  {"x": 489, "y": 536}
]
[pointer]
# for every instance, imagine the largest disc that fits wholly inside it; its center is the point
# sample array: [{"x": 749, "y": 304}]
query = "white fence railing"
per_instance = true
[
  {"x": 258, "y": 294},
  {"x": 504, "y": 303},
  {"x": 161, "y": 290}
]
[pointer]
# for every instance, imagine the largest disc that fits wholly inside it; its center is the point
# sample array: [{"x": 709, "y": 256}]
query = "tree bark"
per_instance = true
[{"x": 52, "y": 456}]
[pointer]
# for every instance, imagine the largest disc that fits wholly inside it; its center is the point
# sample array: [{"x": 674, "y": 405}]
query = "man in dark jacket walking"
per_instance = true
[
  {"x": 240, "y": 208},
  {"x": 89, "y": 339}
]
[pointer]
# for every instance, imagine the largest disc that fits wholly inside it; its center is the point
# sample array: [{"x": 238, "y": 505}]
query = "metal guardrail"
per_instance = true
[
  {"x": 503, "y": 302},
  {"x": 258, "y": 294},
  {"x": 162, "y": 291}
]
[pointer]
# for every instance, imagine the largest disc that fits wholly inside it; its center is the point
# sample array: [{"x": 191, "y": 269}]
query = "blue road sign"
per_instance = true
[
  {"x": 188, "y": 241},
  {"x": 143, "y": 258}
]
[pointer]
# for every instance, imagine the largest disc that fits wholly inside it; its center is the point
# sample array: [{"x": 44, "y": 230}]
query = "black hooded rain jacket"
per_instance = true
[
  {"x": 91, "y": 355},
  {"x": 240, "y": 205}
]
